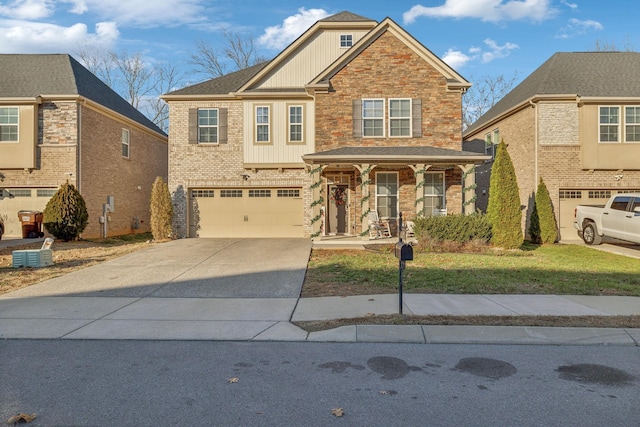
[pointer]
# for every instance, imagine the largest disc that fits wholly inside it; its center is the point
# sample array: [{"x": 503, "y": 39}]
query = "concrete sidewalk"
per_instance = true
[
  {"x": 203, "y": 289},
  {"x": 270, "y": 319}
]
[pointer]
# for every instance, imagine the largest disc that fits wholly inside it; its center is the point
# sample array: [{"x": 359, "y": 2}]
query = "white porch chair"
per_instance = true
[{"x": 378, "y": 229}]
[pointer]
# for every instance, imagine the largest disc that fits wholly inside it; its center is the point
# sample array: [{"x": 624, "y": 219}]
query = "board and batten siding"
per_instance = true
[
  {"x": 278, "y": 150},
  {"x": 310, "y": 60}
]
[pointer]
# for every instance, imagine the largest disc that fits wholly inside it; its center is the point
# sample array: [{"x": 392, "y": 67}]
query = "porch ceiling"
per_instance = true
[{"x": 394, "y": 155}]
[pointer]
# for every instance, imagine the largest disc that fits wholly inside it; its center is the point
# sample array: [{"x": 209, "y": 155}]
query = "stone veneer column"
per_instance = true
[{"x": 468, "y": 189}]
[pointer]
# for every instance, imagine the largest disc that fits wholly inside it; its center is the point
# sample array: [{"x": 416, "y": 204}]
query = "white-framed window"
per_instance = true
[
  {"x": 491, "y": 139},
  {"x": 296, "y": 129},
  {"x": 346, "y": 40},
  {"x": 208, "y": 126},
  {"x": 609, "y": 124},
  {"x": 434, "y": 195},
  {"x": 263, "y": 124},
  {"x": 125, "y": 143},
  {"x": 9, "y": 119},
  {"x": 399, "y": 117},
  {"x": 387, "y": 194},
  {"x": 632, "y": 124},
  {"x": 372, "y": 117}
]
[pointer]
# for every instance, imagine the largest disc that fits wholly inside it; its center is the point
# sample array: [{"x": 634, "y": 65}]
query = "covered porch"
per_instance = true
[{"x": 350, "y": 184}]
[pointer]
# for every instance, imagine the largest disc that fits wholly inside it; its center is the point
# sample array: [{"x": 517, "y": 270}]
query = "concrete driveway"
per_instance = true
[{"x": 184, "y": 289}]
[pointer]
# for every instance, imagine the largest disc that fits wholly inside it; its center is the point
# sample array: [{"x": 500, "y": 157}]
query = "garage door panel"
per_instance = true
[{"x": 263, "y": 215}]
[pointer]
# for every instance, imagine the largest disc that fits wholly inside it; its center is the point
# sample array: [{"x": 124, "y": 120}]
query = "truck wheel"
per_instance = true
[{"x": 590, "y": 234}]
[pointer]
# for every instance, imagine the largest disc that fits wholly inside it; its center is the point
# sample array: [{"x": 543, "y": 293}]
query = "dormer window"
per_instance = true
[{"x": 346, "y": 40}]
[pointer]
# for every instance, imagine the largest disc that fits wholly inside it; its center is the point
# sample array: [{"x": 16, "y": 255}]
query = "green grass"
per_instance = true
[{"x": 546, "y": 269}]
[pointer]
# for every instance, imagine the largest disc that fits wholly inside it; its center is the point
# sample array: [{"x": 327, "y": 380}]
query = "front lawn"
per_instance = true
[{"x": 548, "y": 269}]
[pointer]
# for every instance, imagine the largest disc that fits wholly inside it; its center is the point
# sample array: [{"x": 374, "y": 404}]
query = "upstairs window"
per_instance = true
[
  {"x": 609, "y": 123},
  {"x": 400, "y": 117},
  {"x": 208, "y": 126},
  {"x": 373, "y": 117},
  {"x": 125, "y": 143},
  {"x": 632, "y": 124},
  {"x": 491, "y": 139},
  {"x": 295, "y": 123},
  {"x": 346, "y": 40},
  {"x": 263, "y": 124},
  {"x": 9, "y": 124}
]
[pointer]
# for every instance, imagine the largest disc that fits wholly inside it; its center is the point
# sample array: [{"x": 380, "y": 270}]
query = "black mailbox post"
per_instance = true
[{"x": 404, "y": 252}]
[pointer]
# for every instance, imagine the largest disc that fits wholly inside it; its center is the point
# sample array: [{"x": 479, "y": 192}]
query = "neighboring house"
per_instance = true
[
  {"x": 354, "y": 116},
  {"x": 58, "y": 123},
  {"x": 575, "y": 123}
]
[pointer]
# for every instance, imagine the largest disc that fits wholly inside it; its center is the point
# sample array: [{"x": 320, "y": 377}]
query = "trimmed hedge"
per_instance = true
[{"x": 457, "y": 228}]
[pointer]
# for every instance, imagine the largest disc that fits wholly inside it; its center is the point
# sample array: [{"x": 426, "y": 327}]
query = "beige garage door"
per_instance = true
[
  {"x": 569, "y": 199},
  {"x": 28, "y": 199},
  {"x": 246, "y": 212}
]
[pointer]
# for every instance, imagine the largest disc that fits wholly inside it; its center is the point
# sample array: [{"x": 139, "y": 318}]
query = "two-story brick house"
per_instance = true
[
  {"x": 575, "y": 123},
  {"x": 59, "y": 123},
  {"x": 354, "y": 116}
]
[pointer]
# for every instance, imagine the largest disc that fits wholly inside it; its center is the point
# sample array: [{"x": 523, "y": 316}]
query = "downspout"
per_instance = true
[
  {"x": 535, "y": 142},
  {"x": 79, "y": 161}
]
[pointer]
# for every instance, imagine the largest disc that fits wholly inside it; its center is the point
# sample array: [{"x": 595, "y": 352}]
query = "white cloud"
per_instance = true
[
  {"x": 458, "y": 59},
  {"x": 569, "y": 5},
  {"x": 27, "y": 9},
  {"x": 485, "y": 10},
  {"x": 32, "y": 37},
  {"x": 576, "y": 27},
  {"x": 279, "y": 36},
  {"x": 143, "y": 13}
]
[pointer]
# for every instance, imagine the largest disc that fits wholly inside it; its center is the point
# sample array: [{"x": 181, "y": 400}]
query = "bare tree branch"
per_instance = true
[
  {"x": 136, "y": 76},
  {"x": 483, "y": 95}
]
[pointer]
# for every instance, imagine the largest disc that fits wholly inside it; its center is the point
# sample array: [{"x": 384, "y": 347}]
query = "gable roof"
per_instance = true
[
  {"x": 576, "y": 74},
  {"x": 51, "y": 75},
  {"x": 345, "y": 16},
  {"x": 454, "y": 80}
]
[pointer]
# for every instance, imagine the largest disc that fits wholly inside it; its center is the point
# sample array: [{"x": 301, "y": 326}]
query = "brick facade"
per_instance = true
[{"x": 97, "y": 160}]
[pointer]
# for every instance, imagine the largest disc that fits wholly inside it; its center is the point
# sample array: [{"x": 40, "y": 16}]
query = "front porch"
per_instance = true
[{"x": 352, "y": 183}]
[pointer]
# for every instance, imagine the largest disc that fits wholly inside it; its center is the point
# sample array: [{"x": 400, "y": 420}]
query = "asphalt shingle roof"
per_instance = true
[
  {"x": 345, "y": 16},
  {"x": 586, "y": 74},
  {"x": 60, "y": 74},
  {"x": 224, "y": 84},
  {"x": 391, "y": 153}
]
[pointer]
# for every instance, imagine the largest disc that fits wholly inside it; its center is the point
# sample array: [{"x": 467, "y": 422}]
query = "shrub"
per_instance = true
[
  {"x": 503, "y": 210},
  {"x": 534, "y": 224},
  {"x": 455, "y": 228},
  {"x": 547, "y": 218},
  {"x": 65, "y": 215},
  {"x": 161, "y": 210}
]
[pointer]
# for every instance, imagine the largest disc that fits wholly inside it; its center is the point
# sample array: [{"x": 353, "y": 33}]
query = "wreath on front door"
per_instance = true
[{"x": 338, "y": 196}]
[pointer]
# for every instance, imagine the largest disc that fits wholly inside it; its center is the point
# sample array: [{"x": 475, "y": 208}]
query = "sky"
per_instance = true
[{"x": 476, "y": 37}]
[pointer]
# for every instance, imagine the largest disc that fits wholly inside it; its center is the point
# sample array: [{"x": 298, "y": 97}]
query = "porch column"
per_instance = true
[
  {"x": 365, "y": 178},
  {"x": 317, "y": 201},
  {"x": 418, "y": 171},
  {"x": 468, "y": 189}
]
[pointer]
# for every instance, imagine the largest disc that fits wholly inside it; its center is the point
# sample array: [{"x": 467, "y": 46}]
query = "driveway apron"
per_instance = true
[{"x": 183, "y": 289}]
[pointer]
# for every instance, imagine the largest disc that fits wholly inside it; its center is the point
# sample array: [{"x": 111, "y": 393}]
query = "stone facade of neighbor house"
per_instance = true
[
  {"x": 76, "y": 129},
  {"x": 565, "y": 124},
  {"x": 354, "y": 118}
]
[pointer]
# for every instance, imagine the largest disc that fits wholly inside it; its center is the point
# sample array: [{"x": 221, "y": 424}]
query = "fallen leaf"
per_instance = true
[
  {"x": 21, "y": 418},
  {"x": 338, "y": 412},
  {"x": 232, "y": 380},
  {"x": 370, "y": 314},
  {"x": 384, "y": 392}
]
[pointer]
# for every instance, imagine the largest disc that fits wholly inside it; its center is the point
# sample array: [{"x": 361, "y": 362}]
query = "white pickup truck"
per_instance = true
[{"x": 619, "y": 218}]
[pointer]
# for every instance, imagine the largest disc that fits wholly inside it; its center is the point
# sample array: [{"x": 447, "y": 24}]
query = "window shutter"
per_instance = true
[
  {"x": 223, "y": 114},
  {"x": 416, "y": 118},
  {"x": 357, "y": 118},
  {"x": 193, "y": 125}
]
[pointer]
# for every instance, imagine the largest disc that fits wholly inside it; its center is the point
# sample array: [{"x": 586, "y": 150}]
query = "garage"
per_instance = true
[
  {"x": 246, "y": 212},
  {"x": 18, "y": 199},
  {"x": 570, "y": 198}
]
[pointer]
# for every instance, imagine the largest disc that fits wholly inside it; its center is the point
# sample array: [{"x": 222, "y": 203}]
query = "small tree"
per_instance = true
[
  {"x": 544, "y": 207},
  {"x": 161, "y": 210},
  {"x": 65, "y": 215},
  {"x": 534, "y": 224},
  {"x": 503, "y": 210}
]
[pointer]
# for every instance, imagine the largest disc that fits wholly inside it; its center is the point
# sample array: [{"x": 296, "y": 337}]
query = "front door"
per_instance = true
[{"x": 337, "y": 209}]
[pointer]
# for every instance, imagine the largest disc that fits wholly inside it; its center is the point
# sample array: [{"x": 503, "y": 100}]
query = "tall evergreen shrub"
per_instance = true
[
  {"x": 544, "y": 206},
  {"x": 503, "y": 210},
  {"x": 534, "y": 224},
  {"x": 161, "y": 210},
  {"x": 65, "y": 215}
]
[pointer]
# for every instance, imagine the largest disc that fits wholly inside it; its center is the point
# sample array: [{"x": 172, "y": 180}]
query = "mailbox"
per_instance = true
[{"x": 404, "y": 251}]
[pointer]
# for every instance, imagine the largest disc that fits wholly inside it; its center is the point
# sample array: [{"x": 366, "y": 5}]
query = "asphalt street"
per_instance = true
[{"x": 189, "y": 383}]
